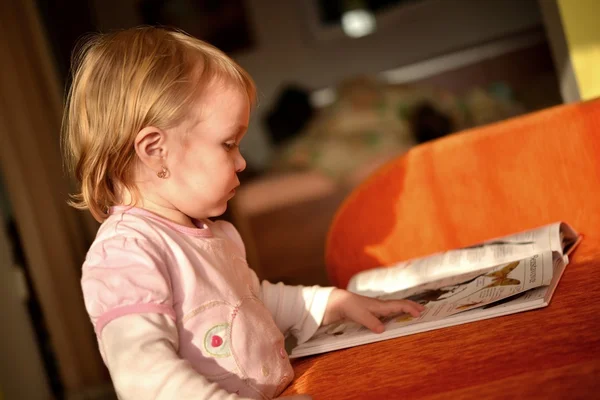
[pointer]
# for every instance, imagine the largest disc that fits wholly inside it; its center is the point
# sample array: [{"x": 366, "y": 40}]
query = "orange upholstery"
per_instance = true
[{"x": 472, "y": 186}]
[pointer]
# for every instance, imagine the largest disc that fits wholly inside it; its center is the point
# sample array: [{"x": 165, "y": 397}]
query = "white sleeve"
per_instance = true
[
  {"x": 140, "y": 351},
  {"x": 298, "y": 310}
]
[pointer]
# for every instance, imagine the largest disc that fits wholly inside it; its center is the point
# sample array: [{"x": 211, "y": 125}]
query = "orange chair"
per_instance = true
[{"x": 480, "y": 184}]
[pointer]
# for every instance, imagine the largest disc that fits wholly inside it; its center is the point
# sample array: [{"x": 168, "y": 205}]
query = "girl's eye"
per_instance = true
[{"x": 229, "y": 145}]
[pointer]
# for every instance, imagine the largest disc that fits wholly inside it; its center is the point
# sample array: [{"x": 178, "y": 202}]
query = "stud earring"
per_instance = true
[{"x": 163, "y": 173}]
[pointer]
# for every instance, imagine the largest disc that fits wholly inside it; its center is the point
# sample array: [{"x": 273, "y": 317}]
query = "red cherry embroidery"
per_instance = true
[{"x": 216, "y": 341}]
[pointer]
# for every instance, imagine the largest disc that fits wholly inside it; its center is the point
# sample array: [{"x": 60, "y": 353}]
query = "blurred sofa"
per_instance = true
[{"x": 284, "y": 214}]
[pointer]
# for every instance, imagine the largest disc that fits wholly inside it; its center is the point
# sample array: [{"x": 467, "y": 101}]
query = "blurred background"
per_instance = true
[{"x": 344, "y": 86}]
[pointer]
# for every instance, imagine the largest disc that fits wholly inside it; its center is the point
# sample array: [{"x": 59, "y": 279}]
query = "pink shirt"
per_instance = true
[{"x": 229, "y": 325}]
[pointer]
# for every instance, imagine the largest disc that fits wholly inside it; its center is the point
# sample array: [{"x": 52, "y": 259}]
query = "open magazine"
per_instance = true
[{"x": 502, "y": 276}]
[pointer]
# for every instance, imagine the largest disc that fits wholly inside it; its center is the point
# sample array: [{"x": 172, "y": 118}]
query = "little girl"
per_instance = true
[{"x": 152, "y": 128}]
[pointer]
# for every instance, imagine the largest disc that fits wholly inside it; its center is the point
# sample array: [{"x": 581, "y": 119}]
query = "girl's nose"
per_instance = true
[{"x": 240, "y": 163}]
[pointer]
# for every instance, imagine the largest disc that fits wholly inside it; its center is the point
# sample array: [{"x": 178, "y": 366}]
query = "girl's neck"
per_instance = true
[
  {"x": 156, "y": 207},
  {"x": 169, "y": 213}
]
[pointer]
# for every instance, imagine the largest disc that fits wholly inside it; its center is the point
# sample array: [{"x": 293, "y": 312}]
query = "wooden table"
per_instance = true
[{"x": 546, "y": 353}]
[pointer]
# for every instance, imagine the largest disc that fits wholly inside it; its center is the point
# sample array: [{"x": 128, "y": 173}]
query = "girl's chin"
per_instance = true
[{"x": 218, "y": 211}]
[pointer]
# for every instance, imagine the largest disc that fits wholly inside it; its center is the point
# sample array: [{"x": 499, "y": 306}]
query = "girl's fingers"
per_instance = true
[
  {"x": 364, "y": 317},
  {"x": 398, "y": 306}
]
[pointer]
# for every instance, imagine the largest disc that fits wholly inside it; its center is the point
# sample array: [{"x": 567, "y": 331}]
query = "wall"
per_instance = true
[
  {"x": 555, "y": 34},
  {"x": 287, "y": 51},
  {"x": 55, "y": 236},
  {"x": 580, "y": 24},
  {"x": 22, "y": 374}
]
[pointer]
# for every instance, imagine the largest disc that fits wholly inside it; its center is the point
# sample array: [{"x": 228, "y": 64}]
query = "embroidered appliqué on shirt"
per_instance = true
[{"x": 216, "y": 341}]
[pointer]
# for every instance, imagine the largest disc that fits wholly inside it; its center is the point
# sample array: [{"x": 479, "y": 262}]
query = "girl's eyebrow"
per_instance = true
[
  {"x": 240, "y": 130},
  {"x": 237, "y": 133}
]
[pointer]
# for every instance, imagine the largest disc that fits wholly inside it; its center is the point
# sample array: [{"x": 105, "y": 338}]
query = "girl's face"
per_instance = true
[{"x": 204, "y": 156}]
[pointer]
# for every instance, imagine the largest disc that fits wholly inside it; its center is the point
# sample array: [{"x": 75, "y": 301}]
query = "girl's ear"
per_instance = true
[{"x": 150, "y": 147}]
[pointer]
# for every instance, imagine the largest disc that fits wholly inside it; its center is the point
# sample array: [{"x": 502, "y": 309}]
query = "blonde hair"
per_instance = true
[{"x": 122, "y": 82}]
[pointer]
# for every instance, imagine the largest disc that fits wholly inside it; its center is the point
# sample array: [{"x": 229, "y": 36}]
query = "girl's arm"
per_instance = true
[
  {"x": 140, "y": 351},
  {"x": 298, "y": 310}
]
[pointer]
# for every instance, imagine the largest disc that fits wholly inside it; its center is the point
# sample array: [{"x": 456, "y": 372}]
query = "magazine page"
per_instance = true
[
  {"x": 455, "y": 264},
  {"x": 524, "y": 301},
  {"x": 512, "y": 281}
]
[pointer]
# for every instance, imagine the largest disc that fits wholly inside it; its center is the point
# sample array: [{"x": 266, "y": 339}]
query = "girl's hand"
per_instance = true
[{"x": 366, "y": 311}]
